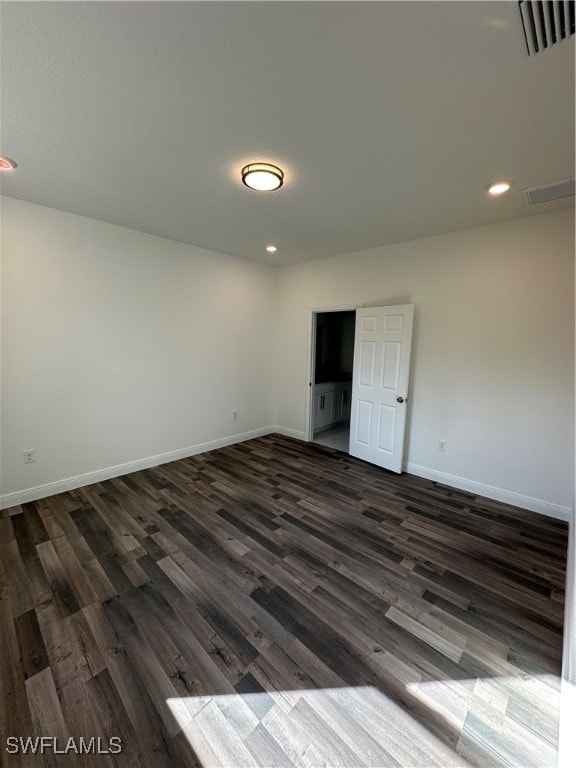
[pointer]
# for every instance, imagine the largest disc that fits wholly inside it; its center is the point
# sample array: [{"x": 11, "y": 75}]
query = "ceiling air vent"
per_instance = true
[
  {"x": 546, "y": 23},
  {"x": 555, "y": 191}
]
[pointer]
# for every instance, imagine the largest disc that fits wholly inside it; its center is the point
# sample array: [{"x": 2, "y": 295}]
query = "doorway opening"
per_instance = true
[{"x": 331, "y": 377}]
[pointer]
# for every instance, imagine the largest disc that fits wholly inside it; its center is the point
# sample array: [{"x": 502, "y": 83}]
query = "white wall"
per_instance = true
[
  {"x": 118, "y": 345},
  {"x": 493, "y": 352},
  {"x": 567, "y": 734}
]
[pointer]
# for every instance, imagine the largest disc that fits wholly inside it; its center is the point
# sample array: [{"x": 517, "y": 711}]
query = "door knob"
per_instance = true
[{"x": 399, "y": 399}]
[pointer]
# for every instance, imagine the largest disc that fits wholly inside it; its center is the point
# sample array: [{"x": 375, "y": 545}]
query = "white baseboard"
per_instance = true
[
  {"x": 78, "y": 481},
  {"x": 480, "y": 489},
  {"x": 491, "y": 492},
  {"x": 296, "y": 434}
]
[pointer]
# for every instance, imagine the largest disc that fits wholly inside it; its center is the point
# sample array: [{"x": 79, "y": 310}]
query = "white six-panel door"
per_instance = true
[{"x": 380, "y": 384}]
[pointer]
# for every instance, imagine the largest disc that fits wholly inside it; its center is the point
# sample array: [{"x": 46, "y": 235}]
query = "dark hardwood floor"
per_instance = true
[{"x": 277, "y": 603}]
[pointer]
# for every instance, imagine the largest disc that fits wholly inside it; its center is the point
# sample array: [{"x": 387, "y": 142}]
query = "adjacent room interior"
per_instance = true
[
  {"x": 333, "y": 340},
  {"x": 287, "y": 397}
]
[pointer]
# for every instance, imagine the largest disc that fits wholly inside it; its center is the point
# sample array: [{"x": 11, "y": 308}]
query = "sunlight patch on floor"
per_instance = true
[
  {"x": 567, "y": 745},
  {"x": 501, "y": 721},
  {"x": 335, "y": 726},
  {"x": 511, "y": 720}
]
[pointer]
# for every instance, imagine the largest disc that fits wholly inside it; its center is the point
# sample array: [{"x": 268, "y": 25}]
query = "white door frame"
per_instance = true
[{"x": 312, "y": 312}]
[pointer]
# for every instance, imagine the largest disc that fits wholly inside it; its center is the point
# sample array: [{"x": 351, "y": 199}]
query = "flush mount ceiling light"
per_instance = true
[
  {"x": 6, "y": 164},
  {"x": 499, "y": 187},
  {"x": 262, "y": 177},
  {"x": 271, "y": 248}
]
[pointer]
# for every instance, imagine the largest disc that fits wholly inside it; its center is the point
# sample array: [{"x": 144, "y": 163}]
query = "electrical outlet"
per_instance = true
[
  {"x": 29, "y": 457},
  {"x": 234, "y": 415},
  {"x": 442, "y": 446}
]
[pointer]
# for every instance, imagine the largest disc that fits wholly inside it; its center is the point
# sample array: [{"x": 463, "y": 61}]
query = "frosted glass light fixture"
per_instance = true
[
  {"x": 262, "y": 177},
  {"x": 499, "y": 187},
  {"x": 6, "y": 164}
]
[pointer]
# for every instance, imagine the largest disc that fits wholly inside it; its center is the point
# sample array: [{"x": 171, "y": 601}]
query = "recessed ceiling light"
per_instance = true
[
  {"x": 499, "y": 187},
  {"x": 262, "y": 177},
  {"x": 271, "y": 248},
  {"x": 6, "y": 164}
]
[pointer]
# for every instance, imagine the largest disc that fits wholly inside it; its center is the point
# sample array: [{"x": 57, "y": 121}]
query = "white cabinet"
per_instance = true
[
  {"x": 342, "y": 401},
  {"x": 331, "y": 403},
  {"x": 323, "y": 405}
]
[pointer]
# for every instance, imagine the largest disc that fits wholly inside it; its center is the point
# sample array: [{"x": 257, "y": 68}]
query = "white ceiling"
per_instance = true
[{"x": 388, "y": 119}]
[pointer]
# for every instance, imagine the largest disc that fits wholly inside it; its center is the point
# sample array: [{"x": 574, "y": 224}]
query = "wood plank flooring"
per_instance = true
[{"x": 277, "y": 603}]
